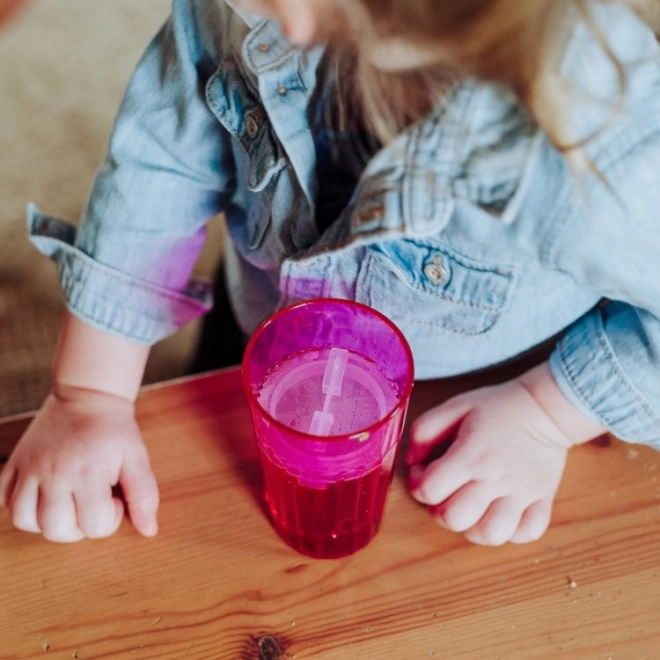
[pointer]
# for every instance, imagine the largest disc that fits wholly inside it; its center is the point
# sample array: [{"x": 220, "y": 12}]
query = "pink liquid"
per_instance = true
[
  {"x": 292, "y": 392},
  {"x": 326, "y": 494},
  {"x": 329, "y": 522}
]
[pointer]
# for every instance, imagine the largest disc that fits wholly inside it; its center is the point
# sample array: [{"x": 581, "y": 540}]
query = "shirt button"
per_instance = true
[
  {"x": 263, "y": 47},
  {"x": 251, "y": 125},
  {"x": 281, "y": 90},
  {"x": 436, "y": 271}
]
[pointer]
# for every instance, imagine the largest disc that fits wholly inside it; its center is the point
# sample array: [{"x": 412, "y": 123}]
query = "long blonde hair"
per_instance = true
[{"x": 516, "y": 43}]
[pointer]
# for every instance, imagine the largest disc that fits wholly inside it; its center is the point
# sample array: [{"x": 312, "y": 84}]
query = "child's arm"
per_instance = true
[
  {"x": 82, "y": 443},
  {"x": 497, "y": 481}
]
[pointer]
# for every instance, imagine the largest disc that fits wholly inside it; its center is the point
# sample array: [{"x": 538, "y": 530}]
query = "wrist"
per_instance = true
[
  {"x": 575, "y": 425},
  {"x": 86, "y": 398},
  {"x": 89, "y": 360}
]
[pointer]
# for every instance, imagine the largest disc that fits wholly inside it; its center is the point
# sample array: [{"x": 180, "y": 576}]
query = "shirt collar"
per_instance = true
[{"x": 250, "y": 19}]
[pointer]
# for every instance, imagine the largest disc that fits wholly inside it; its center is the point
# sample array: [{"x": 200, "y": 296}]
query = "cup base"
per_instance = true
[
  {"x": 330, "y": 521},
  {"x": 327, "y": 547}
]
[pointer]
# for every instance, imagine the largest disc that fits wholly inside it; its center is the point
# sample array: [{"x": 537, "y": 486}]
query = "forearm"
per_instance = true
[
  {"x": 574, "y": 424},
  {"x": 92, "y": 359}
]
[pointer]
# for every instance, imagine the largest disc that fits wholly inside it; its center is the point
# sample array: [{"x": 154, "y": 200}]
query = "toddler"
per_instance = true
[{"x": 483, "y": 172}]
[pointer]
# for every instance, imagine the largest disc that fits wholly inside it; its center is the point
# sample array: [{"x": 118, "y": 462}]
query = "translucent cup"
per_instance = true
[{"x": 328, "y": 384}]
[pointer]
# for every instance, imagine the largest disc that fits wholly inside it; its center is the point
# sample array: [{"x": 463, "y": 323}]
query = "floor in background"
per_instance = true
[{"x": 64, "y": 68}]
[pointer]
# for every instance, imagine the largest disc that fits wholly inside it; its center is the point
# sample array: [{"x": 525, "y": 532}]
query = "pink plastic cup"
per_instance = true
[{"x": 328, "y": 384}]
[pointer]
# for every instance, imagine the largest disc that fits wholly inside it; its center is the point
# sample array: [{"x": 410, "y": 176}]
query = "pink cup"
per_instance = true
[{"x": 328, "y": 383}]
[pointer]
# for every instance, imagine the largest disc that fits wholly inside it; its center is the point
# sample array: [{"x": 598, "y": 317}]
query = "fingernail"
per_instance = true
[
  {"x": 145, "y": 522},
  {"x": 150, "y": 528}
]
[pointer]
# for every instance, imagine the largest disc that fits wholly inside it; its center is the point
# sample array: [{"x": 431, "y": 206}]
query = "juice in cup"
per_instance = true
[{"x": 328, "y": 383}]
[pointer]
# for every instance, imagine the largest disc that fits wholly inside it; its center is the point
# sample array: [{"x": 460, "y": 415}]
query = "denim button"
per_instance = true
[
  {"x": 436, "y": 271},
  {"x": 252, "y": 124}
]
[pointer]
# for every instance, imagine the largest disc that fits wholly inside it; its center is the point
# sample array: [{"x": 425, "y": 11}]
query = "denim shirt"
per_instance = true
[{"x": 469, "y": 231}]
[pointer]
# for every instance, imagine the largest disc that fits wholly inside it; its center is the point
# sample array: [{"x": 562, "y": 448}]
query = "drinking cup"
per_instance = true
[{"x": 328, "y": 383}]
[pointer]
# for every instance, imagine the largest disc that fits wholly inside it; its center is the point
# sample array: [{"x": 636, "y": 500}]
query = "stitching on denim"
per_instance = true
[
  {"x": 85, "y": 265},
  {"x": 494, "y": 312},
  {"x": 371, "y": 256},
  {"x": 141, "y": 338},
  {"x": 288, "y": 53},
  {"x": 609, "y": 355},
  {"x": 492, "y": 320}
]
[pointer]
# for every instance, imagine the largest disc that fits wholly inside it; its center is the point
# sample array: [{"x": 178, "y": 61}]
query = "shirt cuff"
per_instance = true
[
  {"x": 586, "y": 369},
  {"x": 110, "y": 299}
]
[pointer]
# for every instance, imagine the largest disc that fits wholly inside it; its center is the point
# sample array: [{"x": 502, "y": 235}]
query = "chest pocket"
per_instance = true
[
  {"x": 258, "y": 154},
  {"x": 427, "y": 284}
]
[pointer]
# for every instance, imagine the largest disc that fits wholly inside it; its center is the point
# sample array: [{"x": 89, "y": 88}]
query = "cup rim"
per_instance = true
[{"x": 404, "y": 396}]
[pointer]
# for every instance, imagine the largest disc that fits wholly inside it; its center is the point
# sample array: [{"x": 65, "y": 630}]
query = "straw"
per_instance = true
[{"x": 333, "y": 377}]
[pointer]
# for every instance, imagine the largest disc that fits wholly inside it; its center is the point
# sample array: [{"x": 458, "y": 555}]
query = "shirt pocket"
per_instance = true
[
  {"x": 258, "y": 154},
  {"x": 423, "y": 283}
]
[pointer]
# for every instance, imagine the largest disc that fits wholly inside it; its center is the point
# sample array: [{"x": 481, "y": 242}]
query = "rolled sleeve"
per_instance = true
[
  {"x": 606, "y": 237},
  {"x": 169, "y": 170},
  {"x": 111, "y": 299},
  {"x": 607, "y": 365}
]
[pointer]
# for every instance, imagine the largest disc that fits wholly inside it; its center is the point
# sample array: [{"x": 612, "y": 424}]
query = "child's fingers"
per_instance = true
[
  {"x": 99, "y": 513},
  {"x": 439, "y": 480},
  {"x": 535, "y": 520},
  {"x": 57, "y": 515},
  {"x": 434, "y": 427},
  {"x": 7, "y": 484},
  {"x": 24, "y": 503},
  {"x": 466, "y": 507},
  {"x": 499, "y": 522},
  {"x": 141, "y": 492}
]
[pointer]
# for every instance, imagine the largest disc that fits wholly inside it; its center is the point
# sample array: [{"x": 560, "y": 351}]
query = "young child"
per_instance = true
[{"x": 483, "y": 172}]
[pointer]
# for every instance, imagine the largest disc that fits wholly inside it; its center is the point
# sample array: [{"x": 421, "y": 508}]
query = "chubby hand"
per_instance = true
[
  {"x": 497, "y": 480},
  {"x": 59, "y": 480}
]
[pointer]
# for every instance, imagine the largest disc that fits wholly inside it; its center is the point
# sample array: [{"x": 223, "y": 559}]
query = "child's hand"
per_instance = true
[
  {"x": 60, "y": 477},
  {"x": 498, "y": 479}
]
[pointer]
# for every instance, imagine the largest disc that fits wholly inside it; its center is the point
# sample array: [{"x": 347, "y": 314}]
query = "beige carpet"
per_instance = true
[{"x": 63, "y": 67}]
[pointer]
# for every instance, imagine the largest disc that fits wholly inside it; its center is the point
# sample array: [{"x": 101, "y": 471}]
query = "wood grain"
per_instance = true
[{"x": 218, "y": 584}]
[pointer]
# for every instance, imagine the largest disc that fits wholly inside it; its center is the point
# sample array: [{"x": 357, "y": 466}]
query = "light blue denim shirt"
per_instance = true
[{"x": 469, "y": 231}]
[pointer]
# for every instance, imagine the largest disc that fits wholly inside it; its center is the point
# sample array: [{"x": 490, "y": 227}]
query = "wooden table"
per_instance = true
[{"x": 218, "y": 584}]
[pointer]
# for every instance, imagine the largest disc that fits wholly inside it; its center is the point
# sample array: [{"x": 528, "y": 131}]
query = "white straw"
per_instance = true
[{"x": 333, "y": 377}]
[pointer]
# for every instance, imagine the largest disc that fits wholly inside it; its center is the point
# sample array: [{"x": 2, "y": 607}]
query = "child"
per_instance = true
[{"x": 484, "y": 173}]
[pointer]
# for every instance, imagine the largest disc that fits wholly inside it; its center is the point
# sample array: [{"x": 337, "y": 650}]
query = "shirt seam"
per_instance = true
[{"x": 622, "y": 378}]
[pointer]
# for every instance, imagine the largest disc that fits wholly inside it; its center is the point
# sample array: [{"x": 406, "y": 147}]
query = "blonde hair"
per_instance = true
[{"x": 515, "y": 43}]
